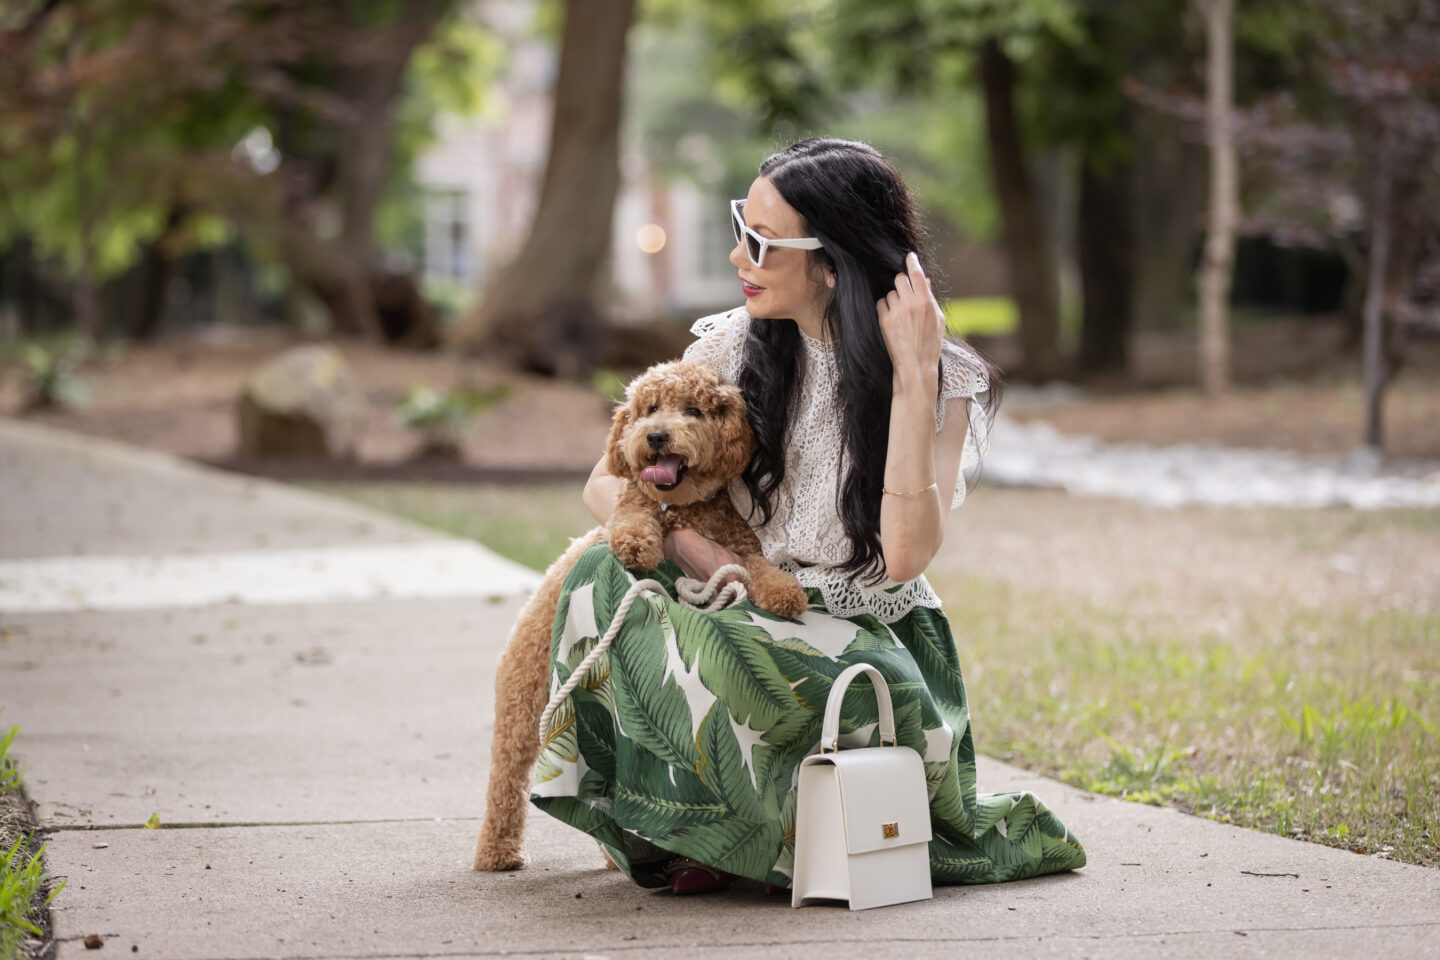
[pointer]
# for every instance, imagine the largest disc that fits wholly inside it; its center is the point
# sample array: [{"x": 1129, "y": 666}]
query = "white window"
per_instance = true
[{"x": 448, "y": 235}]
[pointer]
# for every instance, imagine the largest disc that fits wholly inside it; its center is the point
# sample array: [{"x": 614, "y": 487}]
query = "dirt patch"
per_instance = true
[
  {"x": 1209, "y": 566},
  {"x": 179, "y": 396}
]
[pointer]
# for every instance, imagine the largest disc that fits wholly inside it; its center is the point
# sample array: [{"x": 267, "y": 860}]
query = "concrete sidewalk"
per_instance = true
[{"x": 317, "y": 760}]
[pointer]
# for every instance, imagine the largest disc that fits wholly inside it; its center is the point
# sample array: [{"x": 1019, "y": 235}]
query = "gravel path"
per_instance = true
[{"x": 1036, "y": 454}]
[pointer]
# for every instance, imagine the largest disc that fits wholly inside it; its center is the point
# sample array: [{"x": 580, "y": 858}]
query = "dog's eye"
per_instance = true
[
  {"x": 654, "y": 407},
  {"x": 692, "y": 412}
]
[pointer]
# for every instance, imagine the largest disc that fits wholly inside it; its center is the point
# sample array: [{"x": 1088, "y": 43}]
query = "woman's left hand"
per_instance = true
[{"x": 912, "y": 324}]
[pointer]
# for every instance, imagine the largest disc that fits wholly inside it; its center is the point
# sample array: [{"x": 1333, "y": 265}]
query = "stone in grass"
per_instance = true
[{"x": 303, "y": 403}]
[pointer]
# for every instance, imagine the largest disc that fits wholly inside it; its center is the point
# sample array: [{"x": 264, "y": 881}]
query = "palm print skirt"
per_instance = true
[{"x": 685, "y": 737}]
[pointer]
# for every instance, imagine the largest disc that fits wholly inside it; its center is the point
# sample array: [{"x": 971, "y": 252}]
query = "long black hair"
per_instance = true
[{"x": 854, "y": 201}]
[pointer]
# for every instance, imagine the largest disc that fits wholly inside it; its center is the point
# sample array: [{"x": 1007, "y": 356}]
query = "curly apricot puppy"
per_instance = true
[{"x": 678, "y": 439}]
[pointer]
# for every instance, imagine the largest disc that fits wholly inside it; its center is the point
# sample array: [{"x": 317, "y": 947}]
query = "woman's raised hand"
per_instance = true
[{"x": 912, "y": 324}]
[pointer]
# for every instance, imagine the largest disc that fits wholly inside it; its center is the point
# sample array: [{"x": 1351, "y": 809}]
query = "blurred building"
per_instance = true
[{"x": 482, "y": 177}]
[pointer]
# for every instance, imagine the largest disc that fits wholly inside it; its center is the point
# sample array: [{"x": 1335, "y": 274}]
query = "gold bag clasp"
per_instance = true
[{"x": 890, "y": 830}]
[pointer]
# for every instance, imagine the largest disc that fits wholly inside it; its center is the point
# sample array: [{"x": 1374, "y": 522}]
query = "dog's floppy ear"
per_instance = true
[
  {"x": 617, "y": 464},
  {"x": 737, "y": 441}
]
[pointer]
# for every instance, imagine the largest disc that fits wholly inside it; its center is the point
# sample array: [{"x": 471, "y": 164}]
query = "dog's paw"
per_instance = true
[
  {"x": 788, "y": 600},
  {"x": 498, "y": 858},
  {"x": 638, "y": 553}
]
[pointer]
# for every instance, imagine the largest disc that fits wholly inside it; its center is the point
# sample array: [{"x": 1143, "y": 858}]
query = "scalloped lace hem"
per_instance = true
[{"x": 845, "y": 598}]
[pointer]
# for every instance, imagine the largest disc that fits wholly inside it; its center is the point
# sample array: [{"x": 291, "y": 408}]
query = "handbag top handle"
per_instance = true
[{"x": 830, "y": 730}]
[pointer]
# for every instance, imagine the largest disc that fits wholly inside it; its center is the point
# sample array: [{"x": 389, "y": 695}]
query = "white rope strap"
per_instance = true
[
  {"x": 710, "y": 596},
  {"x": 693, "y": 593}
]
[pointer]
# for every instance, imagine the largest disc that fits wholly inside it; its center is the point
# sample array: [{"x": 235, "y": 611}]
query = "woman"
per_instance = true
[{"x": 683, "y": 758}]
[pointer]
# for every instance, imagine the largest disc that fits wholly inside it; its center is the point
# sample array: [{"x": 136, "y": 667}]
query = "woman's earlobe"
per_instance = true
[{"x": 830, "y": 279}]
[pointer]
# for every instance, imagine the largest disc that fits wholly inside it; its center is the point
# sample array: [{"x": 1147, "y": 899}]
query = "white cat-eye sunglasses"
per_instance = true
[{"x": 755, "y": 245}]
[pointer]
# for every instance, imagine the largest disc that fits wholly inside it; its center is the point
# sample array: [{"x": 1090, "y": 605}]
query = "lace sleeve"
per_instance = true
[
  {"x": 964, "y": 384},
  {"x": 721, "y": 342}
]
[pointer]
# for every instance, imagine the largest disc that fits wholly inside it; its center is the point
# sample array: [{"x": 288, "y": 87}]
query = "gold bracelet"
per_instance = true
[{"x": 912, "y": 493}]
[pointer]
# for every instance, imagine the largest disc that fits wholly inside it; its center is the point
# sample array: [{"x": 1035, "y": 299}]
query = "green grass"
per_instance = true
[
  {"x": 9, "y": 772},
  {"x": 23, "y": 880},
  {"x": 1311, "y": 724},
  {"x": 530, "y": 525},
  {"x": 1308, "y": 723}
]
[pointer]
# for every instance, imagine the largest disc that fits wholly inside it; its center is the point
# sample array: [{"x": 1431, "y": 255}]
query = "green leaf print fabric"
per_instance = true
[{"x": 686, "y": 735}]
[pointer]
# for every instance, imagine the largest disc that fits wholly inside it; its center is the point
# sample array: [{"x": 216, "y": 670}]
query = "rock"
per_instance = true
[{"x": 303, "y": 403}]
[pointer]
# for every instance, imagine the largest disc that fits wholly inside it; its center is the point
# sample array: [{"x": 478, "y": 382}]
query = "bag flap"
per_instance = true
[{"x": 883, "y": 792}]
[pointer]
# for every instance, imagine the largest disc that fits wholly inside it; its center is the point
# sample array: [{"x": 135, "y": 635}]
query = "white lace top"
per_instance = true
[{"x": 805, "y": 535}]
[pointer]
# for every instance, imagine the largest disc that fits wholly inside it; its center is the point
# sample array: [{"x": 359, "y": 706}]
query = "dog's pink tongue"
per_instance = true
[{"x": 666, "y": 470}]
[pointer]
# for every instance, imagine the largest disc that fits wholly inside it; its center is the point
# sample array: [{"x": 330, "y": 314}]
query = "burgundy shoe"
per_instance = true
[{"x": 692, "y": 876}]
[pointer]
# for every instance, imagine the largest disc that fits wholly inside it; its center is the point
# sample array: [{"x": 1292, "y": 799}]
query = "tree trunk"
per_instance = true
[
  {"x": 1027, "y": 249},
  {"x": 86, "y": 296},
  {"x": 157, "y": 268},
  {"x": 374, "y": 88},
  {"x": 1374, "y": 312},
  {"x": 541, "y": 311},
  {"x": 343, "y": 272},
  {"x": 1107, "y": 276},
  {"x": 1219, "y": 261}
]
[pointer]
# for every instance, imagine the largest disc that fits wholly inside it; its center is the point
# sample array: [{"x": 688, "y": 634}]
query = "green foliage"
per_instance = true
[
  {"x": 930, "y": 42},
  {"x": 952, "y": 176},
  {"x": 50, "y": 379},
  {"x": 455, "y": 69},
  {"x": 99, "y": 144},
  {"x": 449, "y": 79},
  {"x": 985, "y": 316},
  {"x": 125, "y": 124},
  {"x": 9, "y": 772},
  {"x": 443, "y": 418},
  {"x": 896, "y": 75},
  {"x": 609, "y": 385},
  {"x": 449, "y": 297},
  {"x": 692, "y": 122},
  {"x": 22, "y": 877},
  {"x": 1351, "y": 728},
  {"x": 22, "y": 874},
  {"x": 714, "y": 127},
  {"x": 769, "y": 59}
]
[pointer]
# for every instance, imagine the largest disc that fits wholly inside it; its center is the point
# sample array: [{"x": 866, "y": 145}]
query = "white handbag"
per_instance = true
[{"x": 862, "y": 818}]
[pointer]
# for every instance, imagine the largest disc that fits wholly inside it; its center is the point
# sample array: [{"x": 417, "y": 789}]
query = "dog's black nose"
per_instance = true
[{"x": 658, "y": 438}]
